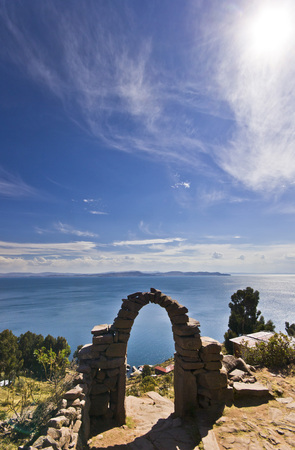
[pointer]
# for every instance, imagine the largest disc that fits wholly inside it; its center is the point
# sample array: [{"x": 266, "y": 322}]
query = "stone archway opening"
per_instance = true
[
  {"x": 151, "y": 339},
  {"x": 199, "y": 381}
]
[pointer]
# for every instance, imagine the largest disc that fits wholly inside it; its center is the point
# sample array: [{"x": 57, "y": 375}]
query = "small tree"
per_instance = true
[
  {"x": 27, "y": 343},
  {"x": 10, "y": 355},
  {"x": 54, "y": 364},
  {"x": 290, "y": 329},
  {"x": 146, "y": 371},
  {"x": 244, "y": 317}
]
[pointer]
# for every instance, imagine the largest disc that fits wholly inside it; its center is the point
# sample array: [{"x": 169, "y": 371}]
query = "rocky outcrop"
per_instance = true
[{"x": 241, "y": 379}]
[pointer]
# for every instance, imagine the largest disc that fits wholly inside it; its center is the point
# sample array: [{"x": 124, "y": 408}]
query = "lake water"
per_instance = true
[{"x": 70, "y": 307}]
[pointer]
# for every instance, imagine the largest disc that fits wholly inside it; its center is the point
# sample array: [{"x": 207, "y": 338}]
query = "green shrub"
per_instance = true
[
  {"x": 146, "y": 371},
  {"x": 148, "y": 384},
  {"x": 3, "y": 415},
  {"x": 278, "y": 352}
]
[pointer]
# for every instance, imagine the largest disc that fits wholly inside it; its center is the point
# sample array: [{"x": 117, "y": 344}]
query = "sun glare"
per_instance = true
[{"x": 271, "y": 31}]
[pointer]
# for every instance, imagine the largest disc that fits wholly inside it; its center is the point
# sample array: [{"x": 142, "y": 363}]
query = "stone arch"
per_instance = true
[{"x": 198, "y": 377}]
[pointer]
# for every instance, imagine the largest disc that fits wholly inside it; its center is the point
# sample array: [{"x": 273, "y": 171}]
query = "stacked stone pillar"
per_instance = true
[{"x": 198, "y": 378}]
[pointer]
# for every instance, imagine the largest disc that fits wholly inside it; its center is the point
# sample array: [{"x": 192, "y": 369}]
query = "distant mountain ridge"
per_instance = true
[{"x": 135, "y": 273}]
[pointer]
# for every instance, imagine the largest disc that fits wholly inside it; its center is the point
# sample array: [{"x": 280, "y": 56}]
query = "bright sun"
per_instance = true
[{"x": 270, "y": 31}]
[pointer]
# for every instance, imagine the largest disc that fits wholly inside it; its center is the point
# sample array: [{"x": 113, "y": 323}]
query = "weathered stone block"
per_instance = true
[
  {"x": 197, "y": 371},
  {"x": 119, "y": 412},
  {"x": 155, "y": 291},
  {"x": 210, "y": 345},
  {"x": 125, "y": 314},
  {"x": 187, "y": 364},
  {"x": 110, "y": 363},
  {"x": 138, "y": 297},
  {"x": 58, "y": 422},
  {"x": 77, "y": 426},
  {"x": 107, "y": 338},
  {"x": 100, "y": 329},
  {"x": 75, "y": 403},
  {"x": 99, "y": 404},
  {"x": 89, "y": 351},
  {"x": 164, "y": 300},
  {"x": 131, "y": 306},
  {"x": 151, "y": 297},
  {"x": 188, "y": 342},
  {"x": 175, "y": 309},
  {"x": 70, "y": 412},
  {"x": 206, "y": 392},
  {"x": 111, "y": 382},
  {"x": 212, "y": 379},
  {"x": 45, "y": 442},
  {"x": 206, "y": 357},
  {"x": 84, "y": 368},
  {"x": 54, "y": 433},
  {"x": 123, "y": 323},
  {"x": 118, "y": 349},
  {"x": 100, "y": 375},
  {"x": 65, "y": 438},
  {"x": 185, "y": 389},
  {"x": 99, "y": 349},
  {"x": 123, "y": 337},
  {"x": 213, "y": 365},
  {"x": 112, "y": 372},
  {"x": 98, "y": 388},
  {"x": 188, "y": 329},
  {"x": 72, "y": 394},
  {"x": 250, "y": 389},
  {"x": 182, "y": 319},
  {"x": 189, "y": 353}
]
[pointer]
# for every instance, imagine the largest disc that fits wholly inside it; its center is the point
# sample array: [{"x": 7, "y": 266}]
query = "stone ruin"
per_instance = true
[
  {"x": 199, "y": 379},
  {"x": 200, "y": 382}
]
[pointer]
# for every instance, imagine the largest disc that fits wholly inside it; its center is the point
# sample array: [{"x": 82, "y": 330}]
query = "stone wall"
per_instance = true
[{"x": 64, "y": 430}]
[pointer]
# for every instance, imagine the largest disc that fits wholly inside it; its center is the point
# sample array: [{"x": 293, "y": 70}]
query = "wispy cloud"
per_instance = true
[
  {"x": 101, "y": 77},
  {"x": 86, "y": 256},
  {"x": 67, "y": 229},
  {"x": 260, "y": 91},
  {"x": 13, "y": 186},
  {"x": 53, "y": 249},
  {"x": 146, "y": 229},
  {"x": 98, "y": 213},
  {"x": 92, "y": 207},
  {"x": 147, "y": 242},
  {"x": 185, "y": 184},
  {"x": 225, "y": 237}
]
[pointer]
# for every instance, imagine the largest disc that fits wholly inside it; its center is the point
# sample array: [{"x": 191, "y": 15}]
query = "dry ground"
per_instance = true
[
  {"x": 250, "y": 424},
  {"x": 253, "y": 424}
]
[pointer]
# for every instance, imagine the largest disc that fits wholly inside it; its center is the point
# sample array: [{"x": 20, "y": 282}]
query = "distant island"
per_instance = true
[{"x": 136, "y": 273}]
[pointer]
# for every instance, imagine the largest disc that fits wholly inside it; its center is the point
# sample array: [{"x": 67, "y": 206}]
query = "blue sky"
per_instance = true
[{"x": 147, "y": 136}]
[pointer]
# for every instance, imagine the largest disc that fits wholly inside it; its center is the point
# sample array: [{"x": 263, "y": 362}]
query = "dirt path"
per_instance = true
[{"x": 152, "y": 427}]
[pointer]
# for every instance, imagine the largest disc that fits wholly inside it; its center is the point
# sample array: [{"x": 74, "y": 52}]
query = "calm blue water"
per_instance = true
[{"x": 70, "y": 307}]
